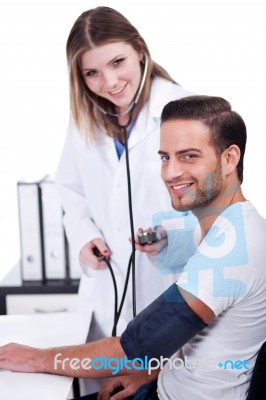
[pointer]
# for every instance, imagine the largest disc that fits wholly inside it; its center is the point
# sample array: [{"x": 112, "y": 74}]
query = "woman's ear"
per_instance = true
[
  {"x": 141, "y": 57},
  {"x": 140, "y": 47},
  {"x": 231, "y": 157}
]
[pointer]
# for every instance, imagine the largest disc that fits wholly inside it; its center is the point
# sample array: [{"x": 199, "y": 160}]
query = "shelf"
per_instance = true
[{"x": 36, "y": 287}]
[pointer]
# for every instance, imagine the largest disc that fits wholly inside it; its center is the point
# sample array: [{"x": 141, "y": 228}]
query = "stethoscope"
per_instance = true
[{"x": 131, "y": 263}]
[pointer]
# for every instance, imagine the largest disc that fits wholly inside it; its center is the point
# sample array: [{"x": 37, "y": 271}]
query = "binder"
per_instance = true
[
  {"x": 54, "y": 242},
  {"x": 31, "y": 233},
  {"x": 45, "y": 253}
]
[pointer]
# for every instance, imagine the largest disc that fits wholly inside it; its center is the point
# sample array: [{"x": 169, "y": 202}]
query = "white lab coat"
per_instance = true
[{"x": 92, "y": 186}]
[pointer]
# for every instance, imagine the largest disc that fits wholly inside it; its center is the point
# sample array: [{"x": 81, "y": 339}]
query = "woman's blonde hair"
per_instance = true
[{"x": 94, "y": 28}]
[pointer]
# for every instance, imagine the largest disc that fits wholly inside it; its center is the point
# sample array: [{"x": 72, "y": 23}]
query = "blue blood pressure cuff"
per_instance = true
[{"x": 162, "y": 328}]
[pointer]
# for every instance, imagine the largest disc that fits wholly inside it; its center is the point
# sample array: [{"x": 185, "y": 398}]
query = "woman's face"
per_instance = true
[{"x": 113, "y": 71}]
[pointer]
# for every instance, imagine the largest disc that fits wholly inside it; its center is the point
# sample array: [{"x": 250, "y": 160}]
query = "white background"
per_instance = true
[{"x": 214, "y": 47}]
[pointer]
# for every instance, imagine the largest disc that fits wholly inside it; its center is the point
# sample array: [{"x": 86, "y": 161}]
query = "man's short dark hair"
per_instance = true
[{"x": 226, "y": 126}]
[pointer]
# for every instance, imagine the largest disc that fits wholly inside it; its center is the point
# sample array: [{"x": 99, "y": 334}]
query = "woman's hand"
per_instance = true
[
  {"x": 88, "y": 257},
  {"x": 154, "y": 248}
]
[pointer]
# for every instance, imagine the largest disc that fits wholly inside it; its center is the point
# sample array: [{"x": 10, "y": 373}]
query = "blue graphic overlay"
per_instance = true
[
  {"x": 181, "y": 246},
  {"x": 223, "y": 247}
]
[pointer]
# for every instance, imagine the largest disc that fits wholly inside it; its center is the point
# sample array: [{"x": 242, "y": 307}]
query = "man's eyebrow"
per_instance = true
[{"x": 182, "y": 151}]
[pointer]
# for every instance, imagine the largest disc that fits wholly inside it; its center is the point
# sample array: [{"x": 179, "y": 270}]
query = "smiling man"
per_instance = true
[
  {"x": 193, "y": 175},
  {"x": 212, "y": 321}
]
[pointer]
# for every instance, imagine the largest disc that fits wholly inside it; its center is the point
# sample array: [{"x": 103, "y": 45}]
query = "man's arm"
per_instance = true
[
  {"x": 63, "y": 360},
  {"x": 159, "y": 330},
  {"x": 199, "y": 308},
  {"x": 166, "y": 325}
]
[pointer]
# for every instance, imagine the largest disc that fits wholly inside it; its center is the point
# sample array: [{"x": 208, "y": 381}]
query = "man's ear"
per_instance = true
[{"x": 230, "y": 159}]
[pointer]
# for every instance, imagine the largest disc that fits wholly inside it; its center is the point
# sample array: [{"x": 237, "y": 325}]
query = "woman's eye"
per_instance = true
[
  {"x": 90, "y": 73},
  {"x": 118, "y": 62}
]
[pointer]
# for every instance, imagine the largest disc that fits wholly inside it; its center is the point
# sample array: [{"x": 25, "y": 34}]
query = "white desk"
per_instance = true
[{"x": 46, "y": 330}]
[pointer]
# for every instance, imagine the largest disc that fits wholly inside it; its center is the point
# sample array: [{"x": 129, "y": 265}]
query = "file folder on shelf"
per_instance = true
[
  {"x": 31, "y": 233},
  {"x": 45, "y": 253}
]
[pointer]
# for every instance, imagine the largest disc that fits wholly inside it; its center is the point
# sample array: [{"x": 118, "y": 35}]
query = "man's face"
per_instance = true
[{"x": 190, "y": 168}]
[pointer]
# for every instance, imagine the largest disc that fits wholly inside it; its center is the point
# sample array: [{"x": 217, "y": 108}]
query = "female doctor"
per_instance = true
[{"x": 110, "y": 69}]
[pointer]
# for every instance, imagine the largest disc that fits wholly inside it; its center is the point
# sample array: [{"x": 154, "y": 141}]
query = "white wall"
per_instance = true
[{"x": 209, "y": 46}]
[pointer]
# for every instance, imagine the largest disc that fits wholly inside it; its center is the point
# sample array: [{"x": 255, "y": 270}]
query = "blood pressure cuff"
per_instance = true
[{"x": 162, "y": 328}]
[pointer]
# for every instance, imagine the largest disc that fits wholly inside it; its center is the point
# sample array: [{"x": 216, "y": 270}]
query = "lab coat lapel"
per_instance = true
[
  {"x": 142, "y": 128},
  {"x": 149, "y": 117}
]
